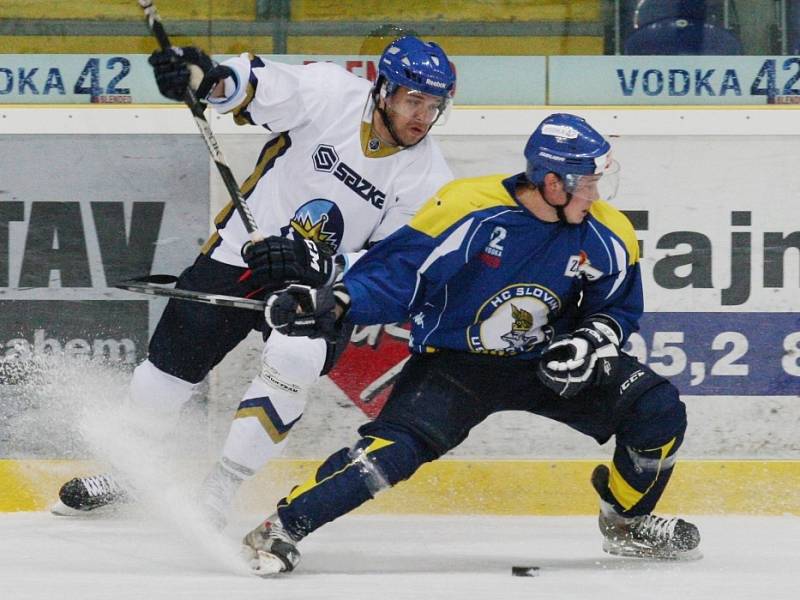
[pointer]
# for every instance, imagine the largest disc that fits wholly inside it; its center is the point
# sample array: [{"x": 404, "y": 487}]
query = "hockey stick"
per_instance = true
[
  {"x": 198, "y": 108},
  {"x": 373, "y": 390},
  {"x": 153, "y": 286}
]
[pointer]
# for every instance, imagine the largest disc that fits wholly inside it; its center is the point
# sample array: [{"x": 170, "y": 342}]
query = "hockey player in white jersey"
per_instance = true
[{"x": 345, "y": 164}]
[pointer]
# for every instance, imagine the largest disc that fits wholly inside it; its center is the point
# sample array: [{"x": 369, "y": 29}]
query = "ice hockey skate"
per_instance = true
[
  {"x": 269, "y": 549},
  {"x": 216, "y": 495},
  {"x": 645, "y": 536},
  {"x": 95, "y": 495}
]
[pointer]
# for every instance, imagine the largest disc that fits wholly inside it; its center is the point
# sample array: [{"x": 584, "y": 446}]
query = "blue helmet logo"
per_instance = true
[
  {"x": 566, "y": 145},
  {"x": 417, "y": 65},
  {"x": 319, "y": 220}
]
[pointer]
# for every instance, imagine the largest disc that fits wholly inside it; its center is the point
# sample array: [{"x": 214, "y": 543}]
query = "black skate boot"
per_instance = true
[
  {"x": 645, "y": 536},
  {"x": 82, "y": 495},
  {"x": 270, "y": 549}
]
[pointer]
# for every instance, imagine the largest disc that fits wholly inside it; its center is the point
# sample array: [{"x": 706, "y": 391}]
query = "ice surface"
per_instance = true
[
  {"x": 419, "y": 557},
  {"x": 164, "y": 552}
]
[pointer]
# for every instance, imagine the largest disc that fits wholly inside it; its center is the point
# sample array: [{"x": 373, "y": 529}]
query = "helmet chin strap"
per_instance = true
[
  {"x": 387, "y": 120},
  {"x": 562, "y": 217},
  {"x": 389, "y": 126}
]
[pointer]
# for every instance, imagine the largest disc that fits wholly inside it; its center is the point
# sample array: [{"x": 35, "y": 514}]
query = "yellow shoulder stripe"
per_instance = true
[
  {"x": 619, "y": 224},
  {"x": 459, "y": 198}
]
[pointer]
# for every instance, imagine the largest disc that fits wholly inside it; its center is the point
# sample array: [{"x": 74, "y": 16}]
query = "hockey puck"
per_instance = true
[{"x": 525, "y": 571}]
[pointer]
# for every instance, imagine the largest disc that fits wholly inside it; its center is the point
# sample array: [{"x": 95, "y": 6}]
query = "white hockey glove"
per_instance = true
[
  {"x": 587, "y": 357},
  {"x": 300, "y": 310}
]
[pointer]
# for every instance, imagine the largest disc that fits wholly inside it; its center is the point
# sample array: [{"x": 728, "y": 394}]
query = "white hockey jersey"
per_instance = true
[{"x": 320, "y": 174}]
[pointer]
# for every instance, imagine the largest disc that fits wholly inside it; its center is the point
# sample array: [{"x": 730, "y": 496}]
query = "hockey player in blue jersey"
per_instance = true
[{"x": 520, "y": 291}]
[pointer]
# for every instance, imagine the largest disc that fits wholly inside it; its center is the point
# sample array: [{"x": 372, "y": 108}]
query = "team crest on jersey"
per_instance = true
[
  {"x": 578, "y": 265},
  {"x": 514, "y": 320},
  {"x": 319, "y": 220}
]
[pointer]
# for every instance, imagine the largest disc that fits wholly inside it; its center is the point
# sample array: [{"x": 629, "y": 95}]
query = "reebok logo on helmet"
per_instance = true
[{"x": 437, "y": 84}]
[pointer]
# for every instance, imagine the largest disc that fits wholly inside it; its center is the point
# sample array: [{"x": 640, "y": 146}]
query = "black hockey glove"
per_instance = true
[
  {"x": 587, "y": 357},
  {"x": 283, "y": 260},
  {"x": 177, "y": 68},
  {"x": 300, "y": 310}
]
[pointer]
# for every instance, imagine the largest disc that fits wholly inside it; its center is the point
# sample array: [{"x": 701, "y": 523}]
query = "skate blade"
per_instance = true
[
  {"x": 266, "y": 565},
  {"x": 645, "y": 553},
  {"x": 60, "y": 509}
]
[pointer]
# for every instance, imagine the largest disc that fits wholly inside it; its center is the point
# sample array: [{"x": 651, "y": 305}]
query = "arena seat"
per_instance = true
[
  {"x": 683, "y": 36},
  {"x": 793, "y": 26},
  {"x": 646, "y": 12},
  {"x": 677, "y": 27}
]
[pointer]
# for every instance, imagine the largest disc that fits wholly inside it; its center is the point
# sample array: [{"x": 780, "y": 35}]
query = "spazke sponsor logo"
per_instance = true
[{"x": 326, "y": 159}]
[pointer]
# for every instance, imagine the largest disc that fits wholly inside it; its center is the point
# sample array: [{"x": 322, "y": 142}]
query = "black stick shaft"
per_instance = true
[
  {"x": 152, "y": 289},
  {"x": 197, "y": 108}
]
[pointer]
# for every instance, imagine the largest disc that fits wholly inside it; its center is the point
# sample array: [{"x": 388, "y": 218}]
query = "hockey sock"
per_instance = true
[
  {"x": 275, "y": 400},
  {"x": 262, "y": 422},
  {"x": 349, "y": 478},
  {"x": 638, "y": 477}
]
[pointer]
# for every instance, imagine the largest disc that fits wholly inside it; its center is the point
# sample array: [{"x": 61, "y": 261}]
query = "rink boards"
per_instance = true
[
  {"x": 720, "y": 258},
  {"x": 501, "y": 487}
]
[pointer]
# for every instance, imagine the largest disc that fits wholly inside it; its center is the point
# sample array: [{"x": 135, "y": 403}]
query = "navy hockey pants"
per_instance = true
[
  {"x": 191, "y": 338},
  {"x": 440, "y": 397}
]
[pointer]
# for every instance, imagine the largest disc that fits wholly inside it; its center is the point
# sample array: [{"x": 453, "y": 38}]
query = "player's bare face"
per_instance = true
[{"x": 412, "y": 113}]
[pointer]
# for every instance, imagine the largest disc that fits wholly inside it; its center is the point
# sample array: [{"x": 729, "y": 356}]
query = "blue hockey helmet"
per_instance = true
[
  {"x": 568, "y": 146},
  {"x": 417, "y": 65}
]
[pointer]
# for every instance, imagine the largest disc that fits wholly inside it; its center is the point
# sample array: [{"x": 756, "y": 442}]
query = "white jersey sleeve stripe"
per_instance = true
[
  {"x": 450, "y": 244},
  {"x": 621, "y": 256}
]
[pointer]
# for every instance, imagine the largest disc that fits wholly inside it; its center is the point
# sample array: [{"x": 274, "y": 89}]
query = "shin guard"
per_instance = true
[{"x": 350, "y": 477}]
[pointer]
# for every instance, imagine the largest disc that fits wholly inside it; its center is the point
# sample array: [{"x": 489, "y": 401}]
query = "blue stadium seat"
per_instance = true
[
  {"x": 793, "y": 25},
  {"x": 682, "y": 36},
  {"x": 646, "y": 12}
]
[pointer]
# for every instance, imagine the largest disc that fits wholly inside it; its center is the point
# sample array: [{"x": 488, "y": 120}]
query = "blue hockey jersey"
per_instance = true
[{"x": 476, "y": 271}]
